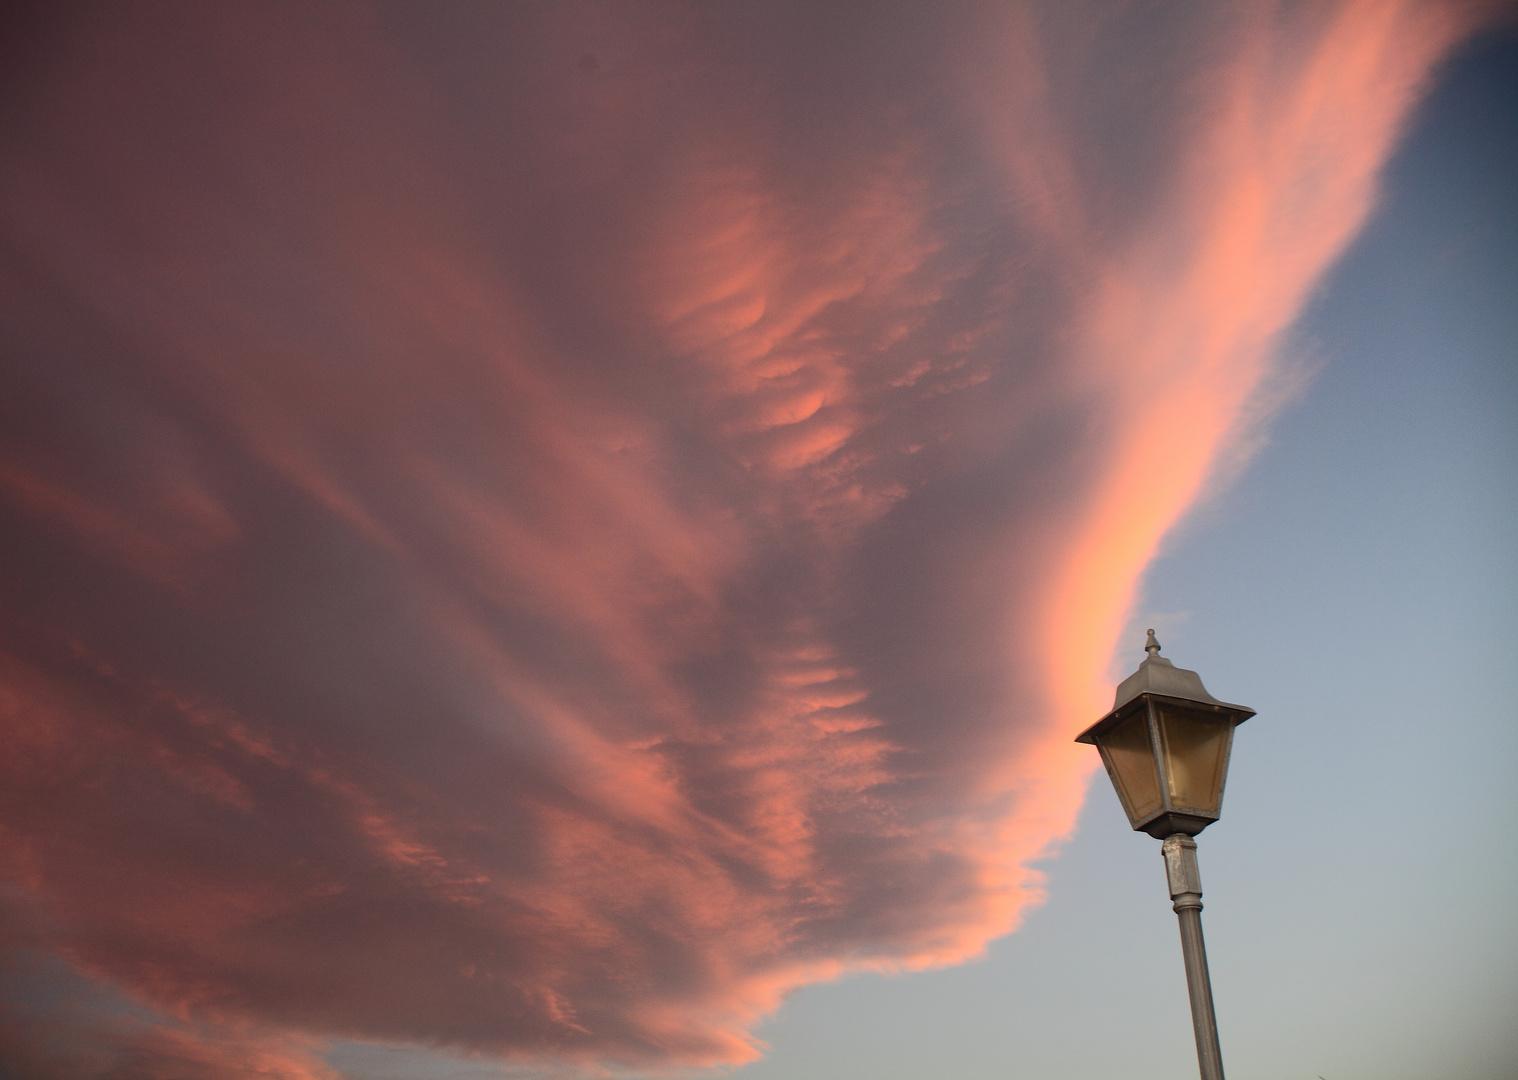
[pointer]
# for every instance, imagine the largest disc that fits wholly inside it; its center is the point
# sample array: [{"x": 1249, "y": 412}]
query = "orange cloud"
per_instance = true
[{"x": 541, "y": 558}]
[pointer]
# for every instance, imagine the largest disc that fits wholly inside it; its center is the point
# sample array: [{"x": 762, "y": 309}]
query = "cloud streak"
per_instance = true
[{"x": 537, "y": 531}]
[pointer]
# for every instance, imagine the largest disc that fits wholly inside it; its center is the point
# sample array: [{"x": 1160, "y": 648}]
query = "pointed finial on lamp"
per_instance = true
[{"x": 1152, "y": 646}]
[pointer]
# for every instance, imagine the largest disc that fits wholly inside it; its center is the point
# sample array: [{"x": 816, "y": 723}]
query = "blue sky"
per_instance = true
[{"x": 1358, "y": 586}]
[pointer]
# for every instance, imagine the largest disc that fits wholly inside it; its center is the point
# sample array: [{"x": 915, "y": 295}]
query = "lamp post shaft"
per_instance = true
[{"x": 1185, "y": 882}]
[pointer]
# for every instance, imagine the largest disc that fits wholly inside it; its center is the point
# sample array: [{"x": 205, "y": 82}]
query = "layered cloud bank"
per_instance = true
[{"x": 536, "y": 530}]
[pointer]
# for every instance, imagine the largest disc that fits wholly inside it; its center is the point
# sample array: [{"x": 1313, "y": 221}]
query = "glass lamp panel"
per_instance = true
[
  {"x": 1130, "y": 761},
  {"x": 1196, "y": 757}
]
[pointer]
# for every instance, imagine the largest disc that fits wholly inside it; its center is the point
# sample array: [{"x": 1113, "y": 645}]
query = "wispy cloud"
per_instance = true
[{"x": 540, "y": 530}]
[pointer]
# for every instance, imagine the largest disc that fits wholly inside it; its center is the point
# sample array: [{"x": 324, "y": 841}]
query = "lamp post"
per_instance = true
[{"x": 1166, "y": 744}]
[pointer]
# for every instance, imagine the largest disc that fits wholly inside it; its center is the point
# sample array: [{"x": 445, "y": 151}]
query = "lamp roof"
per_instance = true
[{"x": 1157, "y": 675}]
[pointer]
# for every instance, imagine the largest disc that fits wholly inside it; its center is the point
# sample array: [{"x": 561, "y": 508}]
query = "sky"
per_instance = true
[{"x": 567, "y": 539}]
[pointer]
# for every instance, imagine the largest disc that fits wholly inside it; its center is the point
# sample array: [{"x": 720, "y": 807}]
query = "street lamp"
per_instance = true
[{"x": 1166, "y": 744}]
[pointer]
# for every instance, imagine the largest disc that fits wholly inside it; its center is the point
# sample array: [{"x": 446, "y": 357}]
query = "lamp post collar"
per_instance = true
[{"x": 1157, "y": 675}]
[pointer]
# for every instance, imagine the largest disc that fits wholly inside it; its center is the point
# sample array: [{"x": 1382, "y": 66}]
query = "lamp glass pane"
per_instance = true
[
  {"x": 1196, "y": 757},
  {"x": 1130, "y": 760}
]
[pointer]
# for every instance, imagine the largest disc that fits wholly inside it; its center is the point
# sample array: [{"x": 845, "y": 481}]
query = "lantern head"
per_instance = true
[{"x": 1166, "y": 744}]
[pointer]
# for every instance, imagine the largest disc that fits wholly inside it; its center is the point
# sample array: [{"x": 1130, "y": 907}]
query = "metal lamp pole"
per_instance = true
[
  {"x": 1166, "y": 745},
  {"x": 1186, "y": 891}
]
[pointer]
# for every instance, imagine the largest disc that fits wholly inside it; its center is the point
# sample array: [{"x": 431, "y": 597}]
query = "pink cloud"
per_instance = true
[{"x": 542, "y": 557}]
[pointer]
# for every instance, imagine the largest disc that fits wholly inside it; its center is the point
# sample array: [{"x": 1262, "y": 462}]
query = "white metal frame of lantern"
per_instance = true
[{"x": 1166, "y": 744}]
